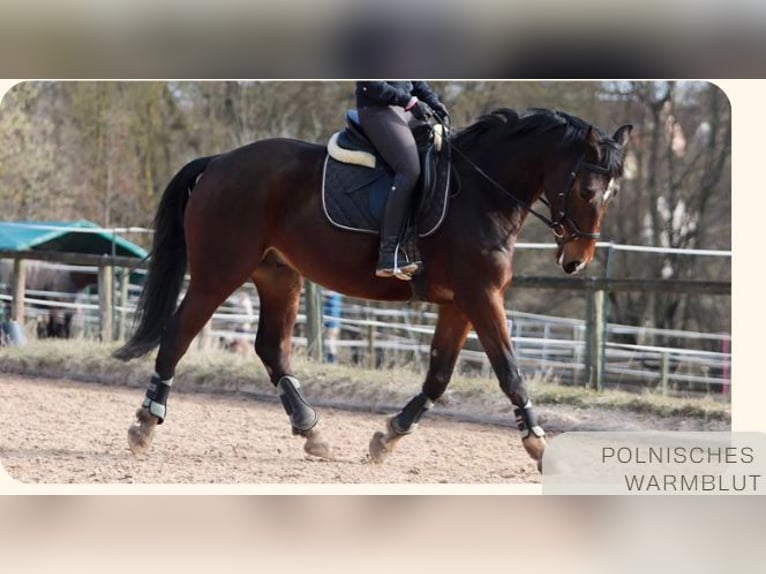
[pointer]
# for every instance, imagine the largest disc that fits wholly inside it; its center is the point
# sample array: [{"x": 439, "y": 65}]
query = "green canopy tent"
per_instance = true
[
  {"x": 65, "y": 236},
  {"x": 80, "y": 237}
]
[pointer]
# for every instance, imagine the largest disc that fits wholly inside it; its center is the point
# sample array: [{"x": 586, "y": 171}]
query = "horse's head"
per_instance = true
[{"x": 579, "y": 191}]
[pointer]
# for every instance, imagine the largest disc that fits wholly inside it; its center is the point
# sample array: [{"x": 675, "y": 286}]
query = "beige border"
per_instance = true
[{"x": 748, "y": 395}]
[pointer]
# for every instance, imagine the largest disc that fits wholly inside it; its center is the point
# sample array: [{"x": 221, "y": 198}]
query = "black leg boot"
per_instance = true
[{"x": 392, "y": 261}]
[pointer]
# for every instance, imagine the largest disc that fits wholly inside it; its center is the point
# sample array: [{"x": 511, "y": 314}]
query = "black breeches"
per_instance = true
[{"x": 387, "y": 129}]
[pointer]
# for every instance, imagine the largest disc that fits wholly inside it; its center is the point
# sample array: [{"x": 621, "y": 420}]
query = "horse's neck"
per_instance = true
[
  {"x": 500, "y": 202},
  {"x": 507, "y": 192},
  {"x": 495, "y": 218}
]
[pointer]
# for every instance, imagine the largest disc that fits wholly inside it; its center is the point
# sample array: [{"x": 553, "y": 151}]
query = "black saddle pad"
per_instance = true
[{"x": 354, "y": 196}]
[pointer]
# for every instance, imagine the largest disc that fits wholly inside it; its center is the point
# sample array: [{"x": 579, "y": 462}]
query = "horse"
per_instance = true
[{"x": 255, "y": 213}]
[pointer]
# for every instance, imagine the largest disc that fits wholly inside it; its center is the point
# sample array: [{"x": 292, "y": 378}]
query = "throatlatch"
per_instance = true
[
  {"x": 157, "y": 396},
  {"x": 526, "y": 420},
  {"x": 302, "y": 416},
  {"x": 407, "y": 420}
]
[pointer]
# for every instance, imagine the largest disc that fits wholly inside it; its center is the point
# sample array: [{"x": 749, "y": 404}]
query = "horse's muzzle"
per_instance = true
[{"x": 571, "y": 267}]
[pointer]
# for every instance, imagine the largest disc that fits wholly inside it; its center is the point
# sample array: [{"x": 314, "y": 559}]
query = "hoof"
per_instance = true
[
  {"x": 382, "y": 444},
  {"x": 379, "y": 448},
  {"x": 140, "y": 435},
  {"x": 535, "y": 447},
  {"x": 316, "y": 446}
]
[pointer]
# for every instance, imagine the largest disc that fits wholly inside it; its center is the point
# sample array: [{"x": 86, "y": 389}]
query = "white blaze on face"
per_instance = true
[{"x": 611, "y": 188}]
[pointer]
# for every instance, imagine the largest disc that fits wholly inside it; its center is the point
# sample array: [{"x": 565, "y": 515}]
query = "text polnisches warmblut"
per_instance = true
[
  {"x": 677, "y": 455},
  {"x": 718, "y": 483}
]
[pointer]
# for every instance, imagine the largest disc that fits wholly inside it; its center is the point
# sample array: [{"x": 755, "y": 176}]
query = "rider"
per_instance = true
[{"x": 385, "y": 110}]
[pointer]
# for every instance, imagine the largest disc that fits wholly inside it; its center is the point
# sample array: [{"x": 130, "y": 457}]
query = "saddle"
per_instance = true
[{"x": 356, "y": 181}]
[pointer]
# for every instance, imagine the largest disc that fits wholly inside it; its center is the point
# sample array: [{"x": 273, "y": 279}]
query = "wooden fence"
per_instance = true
[{"x": 593, "y": 288}]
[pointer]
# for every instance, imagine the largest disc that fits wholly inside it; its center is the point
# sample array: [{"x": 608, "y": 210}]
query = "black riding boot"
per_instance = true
[{"x": 392, "y": 261}]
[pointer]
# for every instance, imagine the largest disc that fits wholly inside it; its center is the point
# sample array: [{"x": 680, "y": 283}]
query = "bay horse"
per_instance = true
[{"x": 255, "y": 213}]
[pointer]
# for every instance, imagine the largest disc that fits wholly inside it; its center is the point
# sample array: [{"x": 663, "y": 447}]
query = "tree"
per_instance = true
[
  {"x": 32, "y": 181},
  {"x": 678, "y": 196}
]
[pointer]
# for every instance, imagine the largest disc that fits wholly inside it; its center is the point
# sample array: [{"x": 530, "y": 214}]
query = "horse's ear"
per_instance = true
[{"x": 622, "y": 135}]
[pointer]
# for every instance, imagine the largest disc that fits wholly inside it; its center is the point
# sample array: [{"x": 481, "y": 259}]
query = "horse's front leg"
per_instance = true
[
  {"x": 451, "y": 330},
  {"x": 485, "y": 310}
]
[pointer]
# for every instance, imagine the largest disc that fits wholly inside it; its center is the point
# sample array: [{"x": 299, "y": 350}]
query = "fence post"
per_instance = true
[
  {"x": 664, "y": 370},
  {"x": 19, "y": 289},
  {"x": 578, "y": 365},
  {"x": 594, "y": 348},
  {"x": 122, "y": 323},
  {"x": 587, "y": 378},
  {"x": 105, "y": 303},
  {"x": 313, "y": 296}
]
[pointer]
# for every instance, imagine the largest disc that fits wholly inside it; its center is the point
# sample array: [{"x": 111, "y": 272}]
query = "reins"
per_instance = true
[
  {"x": 558, "y": 227},
  {"x": 549, "y": 222}
]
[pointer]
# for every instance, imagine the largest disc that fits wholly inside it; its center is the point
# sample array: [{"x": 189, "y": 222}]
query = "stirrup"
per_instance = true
[{"x": 403, "y": 273}]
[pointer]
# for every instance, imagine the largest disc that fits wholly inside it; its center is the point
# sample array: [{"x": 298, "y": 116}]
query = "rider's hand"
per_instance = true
[
  {"x": 419, "y": 109},
  {"x": 440, "y": 111}
]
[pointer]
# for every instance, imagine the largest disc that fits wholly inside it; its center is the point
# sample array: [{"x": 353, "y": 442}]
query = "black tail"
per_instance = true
[{"x": 167, "y": 267}]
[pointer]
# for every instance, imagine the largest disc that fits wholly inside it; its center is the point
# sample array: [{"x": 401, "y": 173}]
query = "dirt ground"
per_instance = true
[{"x": 62, "y": 431}]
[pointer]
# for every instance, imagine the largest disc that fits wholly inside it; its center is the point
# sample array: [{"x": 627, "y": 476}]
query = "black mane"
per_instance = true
[{"x": 505, "y": 124}]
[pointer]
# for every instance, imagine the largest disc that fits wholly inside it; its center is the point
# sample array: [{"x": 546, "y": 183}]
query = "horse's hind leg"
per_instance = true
[
  {"x": 452, "y": 328},
  {"x": 195, "y": 310},
  {"x": 279, "y": 291}
]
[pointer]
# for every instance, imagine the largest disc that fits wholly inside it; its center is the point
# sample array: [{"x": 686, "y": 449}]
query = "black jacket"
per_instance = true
[{"x": 393, "y": 93}]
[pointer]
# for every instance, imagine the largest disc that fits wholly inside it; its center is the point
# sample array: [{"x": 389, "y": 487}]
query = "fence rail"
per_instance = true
[{"x": 578, "y": 349}]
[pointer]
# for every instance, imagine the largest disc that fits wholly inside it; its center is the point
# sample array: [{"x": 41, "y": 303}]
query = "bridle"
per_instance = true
[{"x": 563, "y": 221}]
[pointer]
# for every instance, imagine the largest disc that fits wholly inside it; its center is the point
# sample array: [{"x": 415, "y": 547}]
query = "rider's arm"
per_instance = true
[
  {"x": 384, "y": 93},
  {"x": 424, "y": 92}
]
